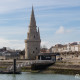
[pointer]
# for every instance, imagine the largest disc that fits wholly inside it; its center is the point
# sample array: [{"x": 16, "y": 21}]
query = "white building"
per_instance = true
[{"x": 66, "y": 48}]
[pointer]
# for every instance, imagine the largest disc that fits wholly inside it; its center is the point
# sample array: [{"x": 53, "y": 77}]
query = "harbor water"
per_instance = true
[{"x": 38, "y": 76}]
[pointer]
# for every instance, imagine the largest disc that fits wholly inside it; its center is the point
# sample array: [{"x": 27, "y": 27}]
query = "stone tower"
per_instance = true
[{"x": 32, "y": 43}]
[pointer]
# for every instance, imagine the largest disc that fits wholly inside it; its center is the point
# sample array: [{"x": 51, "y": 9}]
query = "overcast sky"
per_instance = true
[{"x": 58, "y": 20}]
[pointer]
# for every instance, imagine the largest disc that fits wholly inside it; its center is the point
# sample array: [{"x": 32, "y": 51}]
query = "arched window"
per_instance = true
[{"x": 33, "y": 51}]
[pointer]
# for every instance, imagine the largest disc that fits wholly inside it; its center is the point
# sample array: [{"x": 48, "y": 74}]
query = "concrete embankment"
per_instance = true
[{"x": 61, "y": 67}]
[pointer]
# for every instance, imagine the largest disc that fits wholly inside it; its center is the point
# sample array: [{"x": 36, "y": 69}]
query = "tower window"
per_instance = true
[
  {"x": 33, "y": 51},
  {"x": 36, "y": 48}
]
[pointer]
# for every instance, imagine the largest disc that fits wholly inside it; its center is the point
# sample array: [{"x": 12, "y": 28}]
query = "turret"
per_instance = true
[{"x": 38, "y": 33}]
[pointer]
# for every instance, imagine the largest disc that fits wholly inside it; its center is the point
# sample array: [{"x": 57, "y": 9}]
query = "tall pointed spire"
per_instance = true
[
  {"x": 38, "y": 29},
  {"x": 32, "y": 19}
]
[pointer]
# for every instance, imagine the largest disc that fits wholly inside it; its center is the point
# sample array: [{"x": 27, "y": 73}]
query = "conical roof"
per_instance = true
[{"x": 32, "y": 19}]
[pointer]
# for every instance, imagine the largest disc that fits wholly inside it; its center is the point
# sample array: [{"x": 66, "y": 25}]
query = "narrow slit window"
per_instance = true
[{"x": 34, "y": 36}]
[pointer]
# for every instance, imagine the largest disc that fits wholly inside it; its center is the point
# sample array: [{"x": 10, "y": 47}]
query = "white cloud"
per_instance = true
[
  {"x": 62, "y": 30},
  {"x": 14, "y": 44}
]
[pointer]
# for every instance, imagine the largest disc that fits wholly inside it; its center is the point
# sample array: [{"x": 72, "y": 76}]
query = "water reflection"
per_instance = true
[{"x": 14, "y": 77}]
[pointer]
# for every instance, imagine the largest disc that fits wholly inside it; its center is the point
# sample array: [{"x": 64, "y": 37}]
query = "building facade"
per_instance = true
[
  {"x": 66, "y": 48},
  {"x": 32, "y": 43}
]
